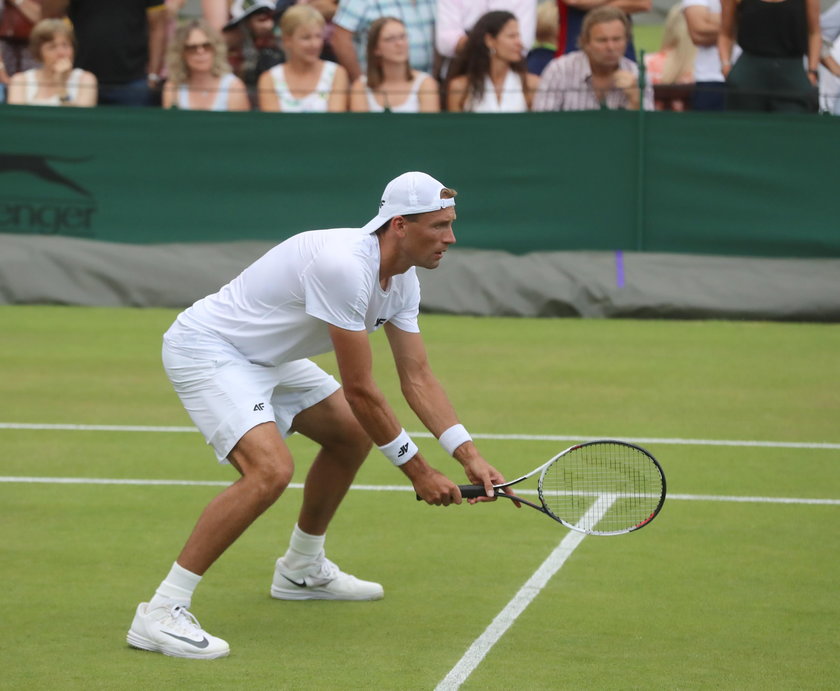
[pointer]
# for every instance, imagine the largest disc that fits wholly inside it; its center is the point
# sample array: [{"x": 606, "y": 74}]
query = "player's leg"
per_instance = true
[
  {"x": 220, "y": 399},
  {"x": 304, "y": 572},
  {"x": 265, "y": 465},
  {"x": 344, "y": 447}
]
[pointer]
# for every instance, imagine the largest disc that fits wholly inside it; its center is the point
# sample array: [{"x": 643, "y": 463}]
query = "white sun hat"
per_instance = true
[
  {"x": 410, "y": 193},
  {"x": 242, "y": 9}
]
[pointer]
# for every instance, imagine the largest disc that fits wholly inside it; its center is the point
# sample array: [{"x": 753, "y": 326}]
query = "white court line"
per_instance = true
[
  {"x": 505, "y": 619},
  {"x": 375, "y": 488},
  {"x": 423, "y": 434},
  {"x": 479, "y": 649}
]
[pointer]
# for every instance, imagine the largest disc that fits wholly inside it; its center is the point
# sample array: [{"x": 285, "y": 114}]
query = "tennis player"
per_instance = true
[{"x": 238, "y": 361}]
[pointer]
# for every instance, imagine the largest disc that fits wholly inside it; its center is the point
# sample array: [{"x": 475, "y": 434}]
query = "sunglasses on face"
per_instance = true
[{"x": 193, "y": 48}]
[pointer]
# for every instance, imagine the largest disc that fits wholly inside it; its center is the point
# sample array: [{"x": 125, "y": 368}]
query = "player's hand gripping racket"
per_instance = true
[{"x": 603, "y": 487}]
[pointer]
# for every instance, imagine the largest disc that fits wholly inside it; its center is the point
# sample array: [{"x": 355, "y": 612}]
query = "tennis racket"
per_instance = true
[{"x": 603, "y": 487}]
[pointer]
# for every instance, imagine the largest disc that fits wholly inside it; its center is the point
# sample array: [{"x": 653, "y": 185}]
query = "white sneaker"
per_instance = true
[
  {"x": 323, "y": 580},
  {"x": 173, "y": 630}
]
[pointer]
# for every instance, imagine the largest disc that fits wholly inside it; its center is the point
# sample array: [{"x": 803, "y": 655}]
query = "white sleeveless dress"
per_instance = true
[
  {"x": 220, "y": 103},
  {"x": 315, "y": 101},
  {"x": 410, "y": 105},
  {"x": 32, "y": 88},
  {"x": 512, "y": 99}
]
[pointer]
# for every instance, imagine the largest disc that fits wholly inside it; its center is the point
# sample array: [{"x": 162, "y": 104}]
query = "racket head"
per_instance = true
[{"x": 603, "y": 487}]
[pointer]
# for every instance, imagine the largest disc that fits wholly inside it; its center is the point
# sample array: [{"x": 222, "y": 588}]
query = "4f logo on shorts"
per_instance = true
[
  {"x": 402, "y": 450},
  {"x": 259, "y": 406}
]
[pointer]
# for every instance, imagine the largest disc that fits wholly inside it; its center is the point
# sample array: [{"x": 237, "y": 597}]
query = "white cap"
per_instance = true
[
  {"x": 242, "y": 9},
  {"x": 410, "y": 193}
]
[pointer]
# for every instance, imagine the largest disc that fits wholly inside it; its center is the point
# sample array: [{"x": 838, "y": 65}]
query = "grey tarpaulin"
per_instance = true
[{"x": 62, "y": 270}]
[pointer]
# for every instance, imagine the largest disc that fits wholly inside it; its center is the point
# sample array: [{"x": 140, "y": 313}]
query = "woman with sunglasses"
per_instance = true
[
  {"x": 199, "y": 74},
  {"x": 390, "y": 83},
  {"x": 304, "y": 83}
]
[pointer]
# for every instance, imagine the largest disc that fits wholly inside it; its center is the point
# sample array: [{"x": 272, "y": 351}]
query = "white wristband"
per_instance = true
[
  {"x": 452, "y": 438},
  {"x": 400, "y": 450}
]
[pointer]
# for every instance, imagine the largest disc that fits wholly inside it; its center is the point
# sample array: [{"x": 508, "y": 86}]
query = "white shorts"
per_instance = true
[{"x": 226, "y": 396}]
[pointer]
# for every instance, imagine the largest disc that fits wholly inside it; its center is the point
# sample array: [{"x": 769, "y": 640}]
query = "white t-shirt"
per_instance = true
[
  {"x": 707, "y": 62},
  {"x": 278, "y": 309}
]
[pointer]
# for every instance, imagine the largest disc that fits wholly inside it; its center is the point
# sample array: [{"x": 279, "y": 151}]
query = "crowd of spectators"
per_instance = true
[{"x": 485, "y": 56}]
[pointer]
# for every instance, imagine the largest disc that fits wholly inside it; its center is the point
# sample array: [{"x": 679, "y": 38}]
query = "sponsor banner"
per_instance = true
[{"x": 704, "y": 183}]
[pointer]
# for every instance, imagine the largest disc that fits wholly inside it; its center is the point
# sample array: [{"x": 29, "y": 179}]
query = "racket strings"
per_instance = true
[{"x": 603, "y": 487}]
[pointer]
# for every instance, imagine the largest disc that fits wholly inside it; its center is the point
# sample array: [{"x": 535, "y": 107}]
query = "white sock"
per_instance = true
[
  {"x": 303, "y": 549},
  {"x": 178, "y": 586}
]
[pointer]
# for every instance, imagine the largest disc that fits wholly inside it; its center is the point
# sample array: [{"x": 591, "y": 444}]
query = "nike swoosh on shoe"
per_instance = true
[
  {"x": 203, "y": 643},
  {"x": 299, "y": 584}
]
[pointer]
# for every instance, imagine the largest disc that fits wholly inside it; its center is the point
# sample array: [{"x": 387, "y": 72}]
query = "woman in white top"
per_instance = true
[
  {"x": 199, "y": 73},
  {"x": 55, "y": 83},
  {"x": 390, "y": 83},
  {"x": 491, "y": 75},
  {"x": 304, "y": 83}
]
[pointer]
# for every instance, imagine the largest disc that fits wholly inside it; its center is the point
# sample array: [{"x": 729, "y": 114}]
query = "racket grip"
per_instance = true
[
  {"x": 472, "y": 491},
  {"x": 467, "y": 492}
]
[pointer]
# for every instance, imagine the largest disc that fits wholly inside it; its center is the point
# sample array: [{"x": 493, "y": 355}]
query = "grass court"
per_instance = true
[{"x": 733, "y": 586}]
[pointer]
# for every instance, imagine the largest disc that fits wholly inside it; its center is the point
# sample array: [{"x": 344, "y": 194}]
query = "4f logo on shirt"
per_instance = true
[
  {"x": 402, "y": 450},
  {"x": 380, "y": 322},
  {"x": 259, "y": 406}
]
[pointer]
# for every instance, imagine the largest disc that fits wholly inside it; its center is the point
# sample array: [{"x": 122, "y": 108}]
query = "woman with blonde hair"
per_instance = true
[
  {"x": 199, "y": 74},
  {"x": 674, "y": 63},
  {"x": 491, "y": 76},
  {"x": 390, "y": 83},
  {"x": 56, "y": 82},
  {"x": 304, "y": 83}
]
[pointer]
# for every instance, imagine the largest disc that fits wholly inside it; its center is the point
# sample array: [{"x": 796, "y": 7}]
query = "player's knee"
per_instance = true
[
  {"x": 348, "y": 441},
  {"x": 271, "y": 481},
  {"x": 356, "y": 444}
]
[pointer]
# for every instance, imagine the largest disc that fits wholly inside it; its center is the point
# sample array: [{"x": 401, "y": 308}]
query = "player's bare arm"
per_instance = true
[
  {"x": 427, "y": 398},
  {"x": 374, "y": 413}
]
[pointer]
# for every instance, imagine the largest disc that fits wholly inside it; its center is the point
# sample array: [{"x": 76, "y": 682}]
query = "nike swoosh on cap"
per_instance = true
[{"x": 203, "y": 643}]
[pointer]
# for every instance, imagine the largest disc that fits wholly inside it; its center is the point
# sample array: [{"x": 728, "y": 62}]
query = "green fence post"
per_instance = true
[{"x": 640, "y": 157}]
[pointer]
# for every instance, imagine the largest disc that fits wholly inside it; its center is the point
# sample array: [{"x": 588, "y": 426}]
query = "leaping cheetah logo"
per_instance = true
[{"x": 40, "y": 167}]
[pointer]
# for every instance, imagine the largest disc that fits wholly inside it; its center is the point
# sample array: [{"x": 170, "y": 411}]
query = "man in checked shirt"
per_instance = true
[{"x": 597, "y": 76}]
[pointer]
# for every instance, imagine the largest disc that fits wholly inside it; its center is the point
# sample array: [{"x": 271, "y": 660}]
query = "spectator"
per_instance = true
[
  {"x": 390, "y": 83},
  {"x": 353, "y": 20},
  {"x": 673, "y": 65},
  {"x": 16, "y": 21},
  {"x": 775, "y": 37},
  {"x": 830, "y": 58},
  {"x": 304, "y": 83},
  {"x": 215, "y": 13},
  {"x": 56, "y": 82},
  {"x": 199, "y": 73},
  {"x": 702, "y": 18},
  {"x": 490, "y": 76},
  {"x": 4, "y": 81},
  {"x": 545, "y": 47},
  {"x": 597, "y": 76},
  {"x": 572, "y": 13},
  {"x": 252, "y": 43},
  {"x": 327, "y": 8},
  {"x": 455, "y": 18},
  {"x": 122, "y": 43}
]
